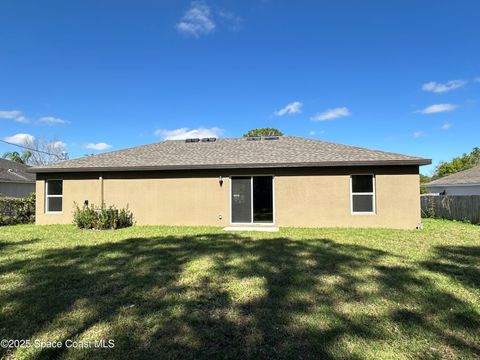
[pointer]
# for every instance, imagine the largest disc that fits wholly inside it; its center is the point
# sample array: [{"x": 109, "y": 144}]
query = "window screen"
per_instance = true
[{"x": 242, "y": 199}]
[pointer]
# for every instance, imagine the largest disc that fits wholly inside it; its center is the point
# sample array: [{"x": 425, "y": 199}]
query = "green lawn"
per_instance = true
[{"x": 193, "y": 292}]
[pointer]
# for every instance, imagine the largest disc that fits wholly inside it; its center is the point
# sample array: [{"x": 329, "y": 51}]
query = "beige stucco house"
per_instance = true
[{"x": 280, "y": 181}]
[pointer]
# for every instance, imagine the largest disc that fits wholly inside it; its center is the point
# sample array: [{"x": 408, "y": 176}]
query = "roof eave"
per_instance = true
[
  {"x": 236, "y": 166},
  {"x": 18, "y": 181},
  {"x": 459, "y": 184}
]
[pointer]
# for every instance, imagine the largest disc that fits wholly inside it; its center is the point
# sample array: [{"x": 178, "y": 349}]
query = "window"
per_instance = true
[
  {"x": 54, "y": 195},
  {"x": 363, "y": 194}
]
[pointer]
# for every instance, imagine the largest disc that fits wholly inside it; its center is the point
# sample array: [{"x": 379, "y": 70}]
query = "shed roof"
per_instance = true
[{"x": 286, "y": 151}]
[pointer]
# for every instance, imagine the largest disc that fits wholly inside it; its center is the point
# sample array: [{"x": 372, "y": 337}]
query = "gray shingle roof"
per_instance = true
[
  {"x": 11, "y": 171},
  {"x": 287, "y": 151},
  {"x": 470, "y": 176}
]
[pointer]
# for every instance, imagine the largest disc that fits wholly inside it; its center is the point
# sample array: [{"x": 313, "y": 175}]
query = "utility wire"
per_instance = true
[{"x": 30, "y": 149}]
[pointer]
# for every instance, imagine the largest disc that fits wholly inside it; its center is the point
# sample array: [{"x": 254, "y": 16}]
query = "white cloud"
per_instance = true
[
  {"x": 184, "y": 133},
  {"x": 418, "y": 134},
  {"x": 331, "y": 114},
  {"x": 197, "y": 20},
  {"x": 446, "y": 126},
  {"x": 51, "y": 120},
  {"x": 438, "y": 108},
  {"x": 313, "y": 132},
  {"x": 19, "y": 139},
  {"x": 58, "y": 144},
  {"x": 438, "y": 88},
  {"x": 292, "y": 108},
  {"x": 98, "y": 146},
  {"x": 234, "y": 22},
  {"x": 13, "y": 115}
]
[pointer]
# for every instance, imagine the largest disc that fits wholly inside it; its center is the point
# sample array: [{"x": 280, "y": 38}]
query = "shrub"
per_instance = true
[
  {"x": 103, "y": 218},
  {"x": 17, "y": 211}
]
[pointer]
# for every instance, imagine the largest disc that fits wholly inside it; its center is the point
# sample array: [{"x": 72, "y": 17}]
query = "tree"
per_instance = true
[
  {"x": 263, "y": 132},
  {"x": 45, "y": 151},
  {"x": 460, "y": 163},
  {"x": 22, "y": 158},
  {"x": 423, "y": 180}
]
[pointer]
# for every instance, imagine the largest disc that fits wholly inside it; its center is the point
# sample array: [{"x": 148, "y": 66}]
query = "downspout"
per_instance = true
[{"x": 101, "y": 189}]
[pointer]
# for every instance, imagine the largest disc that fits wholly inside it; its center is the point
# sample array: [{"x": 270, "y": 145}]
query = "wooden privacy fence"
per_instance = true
[{"x": 452, "y": 207}]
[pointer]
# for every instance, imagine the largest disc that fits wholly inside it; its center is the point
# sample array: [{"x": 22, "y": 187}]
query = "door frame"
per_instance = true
[{"x": 251, "y": 200}]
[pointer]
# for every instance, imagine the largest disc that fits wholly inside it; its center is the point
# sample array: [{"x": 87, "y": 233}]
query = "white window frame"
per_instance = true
[
  {"x": 251, "y": 201},
  {"x": 52, "y": 196},
  {"x": 374, "y": 200}
]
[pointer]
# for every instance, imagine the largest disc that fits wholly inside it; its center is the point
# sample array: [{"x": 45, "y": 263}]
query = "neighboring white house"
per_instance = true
[
  {"x": 15, "y": 181},
  {"x": 466, "y": 182}
]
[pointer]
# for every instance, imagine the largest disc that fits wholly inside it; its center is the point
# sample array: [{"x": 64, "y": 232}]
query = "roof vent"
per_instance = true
[
  {"x": 211, "y": 139},
  {"x": 254, "y": 138},
  {"x": 271, "y": 138},
  {"x": 192, "y": 140}
]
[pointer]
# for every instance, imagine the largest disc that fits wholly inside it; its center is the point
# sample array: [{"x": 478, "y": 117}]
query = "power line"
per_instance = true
[{"x": 64, "y": 157}]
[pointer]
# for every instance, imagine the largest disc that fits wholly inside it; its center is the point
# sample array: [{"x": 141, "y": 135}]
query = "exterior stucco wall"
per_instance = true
[
  {"x": 324, "y": 201},
  {"x": 456, "y": 190},
  {"x": 16, "y": 190},
  {"x": 171, "y": 201},
  {"x": 303, "y": 197}
]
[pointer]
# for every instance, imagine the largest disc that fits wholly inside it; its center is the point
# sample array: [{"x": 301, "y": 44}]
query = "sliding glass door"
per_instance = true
[{"x": 252, "y": 199}]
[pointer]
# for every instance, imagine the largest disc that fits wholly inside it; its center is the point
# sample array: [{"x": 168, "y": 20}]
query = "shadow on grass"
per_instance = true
[
  {"x": 6, "y": 245},
  {"x": 226, "y": 295},
  {"x": 461, "y": 263}
]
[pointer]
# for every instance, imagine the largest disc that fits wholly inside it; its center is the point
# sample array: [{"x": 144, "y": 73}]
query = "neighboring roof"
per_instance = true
[
  {"x": 286, "y": 151},
  {"x": 11, "y": 171},
  {"x": 466, "y": 177}
]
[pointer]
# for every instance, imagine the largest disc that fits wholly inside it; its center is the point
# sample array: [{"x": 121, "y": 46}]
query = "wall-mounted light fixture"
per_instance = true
[{"x": 220, "y": 180}]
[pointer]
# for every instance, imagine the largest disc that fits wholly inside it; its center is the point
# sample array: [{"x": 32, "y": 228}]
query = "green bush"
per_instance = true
[
  {"x": 17, "y": 211},
  {"x": 103, "y": 218}
]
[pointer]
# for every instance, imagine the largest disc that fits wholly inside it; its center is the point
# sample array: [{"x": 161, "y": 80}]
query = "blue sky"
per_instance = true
[{"x": 401, "y": 76}]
